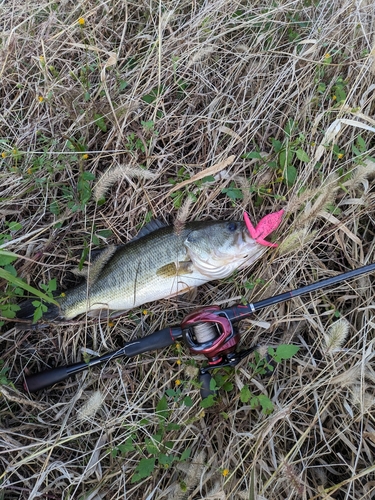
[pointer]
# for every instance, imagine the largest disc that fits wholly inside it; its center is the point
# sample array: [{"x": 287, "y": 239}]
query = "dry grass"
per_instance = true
[{"x": 230, "y": 75}]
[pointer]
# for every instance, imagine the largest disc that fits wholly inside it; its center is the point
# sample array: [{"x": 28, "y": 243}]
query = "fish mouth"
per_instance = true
[
  {"x": 247, "y": 248},
  {"x": 220, "y": 263}
]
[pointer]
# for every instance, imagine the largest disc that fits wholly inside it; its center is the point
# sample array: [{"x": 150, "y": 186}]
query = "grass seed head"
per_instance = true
[
  {"x": 117, "y": 174},
  {"x": 336, "y": 335},
  {"x": 91, "y": 406}
]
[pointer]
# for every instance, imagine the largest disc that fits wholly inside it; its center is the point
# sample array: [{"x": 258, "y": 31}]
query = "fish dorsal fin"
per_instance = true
[
  {"x": 150, "y": 227},
  {"x": 97, "y": 265}
]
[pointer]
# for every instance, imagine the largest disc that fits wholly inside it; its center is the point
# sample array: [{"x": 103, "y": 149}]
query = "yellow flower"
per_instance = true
[
  {"x": 144, "y": 312},
  {"x": 327, "y": 56},
  {"x": 29, "y": 171},
  {"x": 84, "y": 157},
  {"x": 62, "y": 294},
  {"x": 177, "y": 382},
  {"x": 3, "y": 154},
  {"x": 40, "y": 98},
  {"x": 340, "y": 155},
  {"x": 81, "y": 21},
  {"x": 178, "y": 362},
  {"x": 334, "y": 98},
  {"x": 225, "y": 472},
  {"x": 110, "y": 324}
]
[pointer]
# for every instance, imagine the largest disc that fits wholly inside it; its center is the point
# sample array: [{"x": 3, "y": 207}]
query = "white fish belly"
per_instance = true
[{"x": 122, "y": 300}]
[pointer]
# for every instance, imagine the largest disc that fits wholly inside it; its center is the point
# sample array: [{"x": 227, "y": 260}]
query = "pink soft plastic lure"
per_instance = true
[{"x": 265, "y": 227}]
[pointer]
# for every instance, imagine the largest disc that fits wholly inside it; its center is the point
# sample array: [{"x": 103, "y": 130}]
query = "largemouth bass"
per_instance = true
[{"x": 159, "y": 263}]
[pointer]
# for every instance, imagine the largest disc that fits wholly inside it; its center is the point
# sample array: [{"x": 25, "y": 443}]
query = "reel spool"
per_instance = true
[{"x": 209, "y": 331}]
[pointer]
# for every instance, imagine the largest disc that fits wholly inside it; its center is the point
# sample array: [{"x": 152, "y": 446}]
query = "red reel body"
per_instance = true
[{"x": 209, "y": 331}]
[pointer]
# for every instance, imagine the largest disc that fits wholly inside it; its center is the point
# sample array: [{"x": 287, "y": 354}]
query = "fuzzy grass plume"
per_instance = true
[{"x": 115, "y": 113}]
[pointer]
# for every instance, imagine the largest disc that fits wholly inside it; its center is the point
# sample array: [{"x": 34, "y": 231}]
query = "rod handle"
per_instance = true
[
  {"x": 50, "y": 377},
  {"x": 157, "y": 340}
]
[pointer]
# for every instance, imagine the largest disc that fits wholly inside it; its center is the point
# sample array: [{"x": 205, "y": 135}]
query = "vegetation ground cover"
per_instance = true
[{"x": 113, "y": 113}]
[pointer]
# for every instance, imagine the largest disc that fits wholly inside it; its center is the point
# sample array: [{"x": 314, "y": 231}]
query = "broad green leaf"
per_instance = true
[
  {"x": 185, "y": 455},
  {"x": 233, "y": 193},
  {"x": 208, "y": 401},
  {"x": 100, "y": 122},
  {"x": 88, "y": 176},
  {"x": 291, "y": 174},
  {"x": 10, "y": 269},
  {"x": 361, "y": 144},
  {"x": 165, "y": 460},
  {"x": 302, "y": 155},
  {"x": 266, "y": 404},
  {"x": 162, "y": 409},
  {"x": 227, "y": 386},
  {"x": 152, "y": 445},
  {"x": 7, "y": 257},
  {"x": 285, "y": 351},
  {"x": 14, "y": 226},
  {"x": 245, "y": 394},
  {"x": 153, "y": 95},
  {"x": 144, "y": 469},
  {"x": 188, "y": 401},
  {"x": 277, "y": 145},
  {"x": 126, "y": 447},
  {"x": 251, "y": 155},
  {"x": 9, "y": 310},
  {"x": 172, "y": 426}
]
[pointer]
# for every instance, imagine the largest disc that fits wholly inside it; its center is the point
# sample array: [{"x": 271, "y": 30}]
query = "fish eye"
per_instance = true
[{"x": 232, "y": 226}]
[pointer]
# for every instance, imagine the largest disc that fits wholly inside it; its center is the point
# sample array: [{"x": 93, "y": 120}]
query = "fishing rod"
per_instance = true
[{"x": 210, "y": 331}]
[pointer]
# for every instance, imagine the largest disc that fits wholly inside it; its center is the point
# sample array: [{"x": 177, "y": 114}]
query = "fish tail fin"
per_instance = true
[{"x": 25, "y": 315}]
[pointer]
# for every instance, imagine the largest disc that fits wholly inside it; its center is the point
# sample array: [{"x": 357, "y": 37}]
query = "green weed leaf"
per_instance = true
[
  {"x": 144, "y": 469},
  {"x": 9, "y": 310},
  {"x": 291, "y": 175},
  {"x": 100, "y": 122},
  {"x": 208, "y": 401},
  {"x": 302, "y": 155},
  {"x": 233, "y": 192},
  {"x": 123, "y": 448},
  {"x": 162, "y": 409},
  {"x": 188, "y": 401},
  {"x": 185, "y": 455},
  {"x": 13, "y": 280},
  {"x": 285, "y": 351},
  {"x": 266, "y": 404},
  {"x": 245, "y": 394},
  {"x": 251, "y": 155},
  {"x": 7, "y": 257}
]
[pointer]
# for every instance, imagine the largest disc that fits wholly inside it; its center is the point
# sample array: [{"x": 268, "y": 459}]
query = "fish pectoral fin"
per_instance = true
[{"x": 171, "y": 270}]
